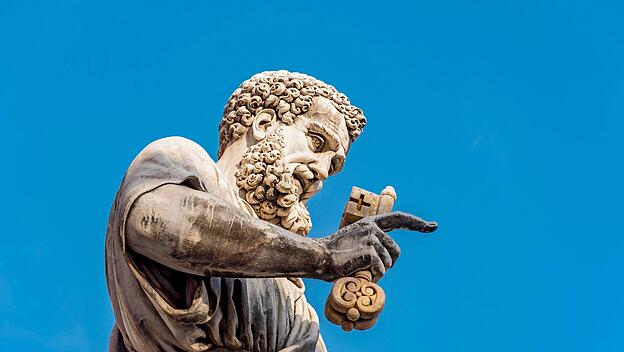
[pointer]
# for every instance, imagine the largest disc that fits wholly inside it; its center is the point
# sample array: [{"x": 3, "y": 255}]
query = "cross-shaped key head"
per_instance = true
[{"x": 361, "y": 203}]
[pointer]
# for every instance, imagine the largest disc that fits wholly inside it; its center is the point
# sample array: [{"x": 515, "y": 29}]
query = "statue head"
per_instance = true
[{"x": 285, "y": 133}]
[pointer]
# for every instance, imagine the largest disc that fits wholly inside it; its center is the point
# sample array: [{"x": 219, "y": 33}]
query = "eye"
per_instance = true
[{"x": 316, "y": 142}]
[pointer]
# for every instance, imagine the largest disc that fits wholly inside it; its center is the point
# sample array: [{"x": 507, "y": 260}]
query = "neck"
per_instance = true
[{"x": 228, "y": 162}]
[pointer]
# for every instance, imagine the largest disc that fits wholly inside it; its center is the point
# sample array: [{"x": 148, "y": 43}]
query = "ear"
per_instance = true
[{"x": 264, "y": 123}]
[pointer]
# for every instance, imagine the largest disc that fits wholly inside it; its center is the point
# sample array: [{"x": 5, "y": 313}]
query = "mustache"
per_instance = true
[{"x": 307, "y": 180}]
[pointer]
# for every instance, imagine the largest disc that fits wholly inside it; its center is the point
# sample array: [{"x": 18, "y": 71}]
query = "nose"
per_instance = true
[{"x": 320, "y": 168}]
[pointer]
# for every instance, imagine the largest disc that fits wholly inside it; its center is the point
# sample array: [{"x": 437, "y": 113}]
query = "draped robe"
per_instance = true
[{"x": 158, "y": 308}]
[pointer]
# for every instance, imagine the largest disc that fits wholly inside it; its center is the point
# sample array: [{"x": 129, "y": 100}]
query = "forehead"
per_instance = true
[{"x": 326, "y": 114}]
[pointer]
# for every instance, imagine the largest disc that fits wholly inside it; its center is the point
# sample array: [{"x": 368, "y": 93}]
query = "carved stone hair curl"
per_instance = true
[{"x": 289, "y": 94}]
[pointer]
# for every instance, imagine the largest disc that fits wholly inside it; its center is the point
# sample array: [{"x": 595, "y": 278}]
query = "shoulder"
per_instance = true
[
  {"x": 174, "y": 152},
  {"x": 174, "y": 141},
  {"x": 174, "y": 145},
  {"x": 169, "y": 160},
  {"x": 176, "y": 159}
]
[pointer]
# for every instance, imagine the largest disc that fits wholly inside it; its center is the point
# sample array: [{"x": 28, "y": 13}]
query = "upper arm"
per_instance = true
[
  {"x": 189, "y": 230},
  {"x": 160, "y": 224}
]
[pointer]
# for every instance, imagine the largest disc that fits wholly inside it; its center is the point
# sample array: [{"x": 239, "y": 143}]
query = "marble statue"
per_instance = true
[{"x": 209, "y": 256}]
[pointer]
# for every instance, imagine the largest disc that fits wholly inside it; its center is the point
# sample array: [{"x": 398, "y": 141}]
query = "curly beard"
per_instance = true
[{"x": 273, "y": 189}]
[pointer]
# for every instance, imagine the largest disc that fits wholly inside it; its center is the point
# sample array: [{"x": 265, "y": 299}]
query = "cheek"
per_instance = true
[{"x": 296, "y": 142}]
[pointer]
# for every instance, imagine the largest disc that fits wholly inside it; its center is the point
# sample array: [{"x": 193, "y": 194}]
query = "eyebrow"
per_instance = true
[{"x": 333, "y": 137}]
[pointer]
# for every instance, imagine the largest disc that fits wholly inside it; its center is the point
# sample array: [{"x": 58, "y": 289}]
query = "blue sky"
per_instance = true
[{"x": 502, "y": 120}]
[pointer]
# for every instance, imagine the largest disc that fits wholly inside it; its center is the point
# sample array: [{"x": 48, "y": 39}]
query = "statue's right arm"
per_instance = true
[{"x": 200, "y": 233}]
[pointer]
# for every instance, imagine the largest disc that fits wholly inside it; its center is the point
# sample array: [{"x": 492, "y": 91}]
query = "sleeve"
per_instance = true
[{"x": 171, "y": 160}]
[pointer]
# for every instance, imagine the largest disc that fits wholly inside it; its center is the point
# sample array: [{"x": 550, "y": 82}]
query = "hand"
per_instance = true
[{"x": 365, "y": 245}]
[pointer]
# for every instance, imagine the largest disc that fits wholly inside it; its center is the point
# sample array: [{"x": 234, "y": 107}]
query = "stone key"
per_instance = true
[{"x": 356, "y": 302}]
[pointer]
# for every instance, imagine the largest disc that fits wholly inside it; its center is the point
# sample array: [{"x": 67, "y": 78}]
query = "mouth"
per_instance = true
[{"x": 307, "y": 184}]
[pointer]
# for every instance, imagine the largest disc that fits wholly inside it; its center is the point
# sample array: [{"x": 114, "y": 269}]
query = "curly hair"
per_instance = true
[{"x": 289, "y": 94}]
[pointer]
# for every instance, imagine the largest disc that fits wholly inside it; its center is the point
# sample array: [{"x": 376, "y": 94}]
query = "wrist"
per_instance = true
[{"x": 325, "y": 263}]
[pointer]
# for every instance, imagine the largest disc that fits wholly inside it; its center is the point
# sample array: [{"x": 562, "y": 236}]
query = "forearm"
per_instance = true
[{"x": 199, "y": 233}]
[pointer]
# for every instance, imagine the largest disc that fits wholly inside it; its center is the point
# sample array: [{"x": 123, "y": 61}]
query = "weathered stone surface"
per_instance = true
[{"x": 208, "y": 256}]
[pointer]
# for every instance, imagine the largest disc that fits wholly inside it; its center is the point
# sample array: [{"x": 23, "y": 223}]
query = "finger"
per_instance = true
[
  {"x": 391, "y": 246},
  {"x": 382, "y": 252},
  {"x": 377, "y": 268},
  {"x": 400, "y": 220}
]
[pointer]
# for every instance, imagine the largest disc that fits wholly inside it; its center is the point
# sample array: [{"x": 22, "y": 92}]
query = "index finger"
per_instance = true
[{"x": 400, "y": 220}]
